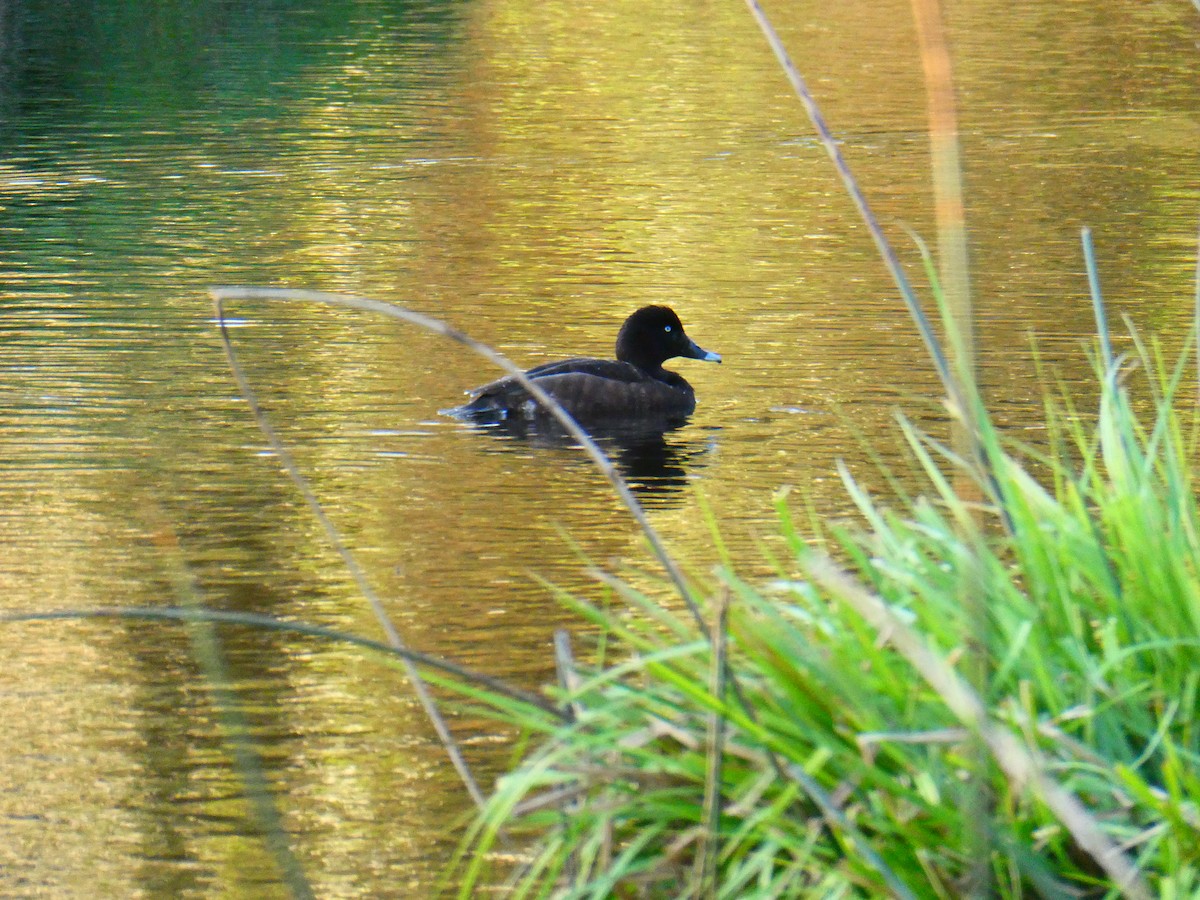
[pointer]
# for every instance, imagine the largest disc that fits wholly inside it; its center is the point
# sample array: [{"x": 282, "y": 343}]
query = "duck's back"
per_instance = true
[
  {"x": 589, "y": 389},
  {"x": 609, "y": 369}
]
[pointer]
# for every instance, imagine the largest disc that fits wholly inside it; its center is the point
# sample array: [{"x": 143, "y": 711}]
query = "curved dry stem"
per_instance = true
[
  {"x": 598, "y": 457},
  {"x": 255, "y": 620},
  {"x": 832, "y": 148},
  {"x": 335, "y": 539}
]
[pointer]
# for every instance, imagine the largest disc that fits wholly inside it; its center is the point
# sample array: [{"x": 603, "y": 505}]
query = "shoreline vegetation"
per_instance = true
[
  {"x": 990, "y": 688},
  {"x": 853, "y": 757}
]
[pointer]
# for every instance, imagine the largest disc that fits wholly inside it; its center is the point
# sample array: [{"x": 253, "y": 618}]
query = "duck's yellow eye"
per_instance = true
[{"x": 666, "y": 328}]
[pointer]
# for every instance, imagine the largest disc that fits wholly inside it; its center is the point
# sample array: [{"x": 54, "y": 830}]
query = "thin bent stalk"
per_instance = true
[
  {"x": 860, "y": 201},
  {"x": 222, "y": 294},
  {"x": 424, "y": 696},
  {"x": 269, "y": 623}
]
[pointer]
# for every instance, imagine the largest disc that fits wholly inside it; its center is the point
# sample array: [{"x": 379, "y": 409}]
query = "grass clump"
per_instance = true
[{"x": 854, "y": 729}]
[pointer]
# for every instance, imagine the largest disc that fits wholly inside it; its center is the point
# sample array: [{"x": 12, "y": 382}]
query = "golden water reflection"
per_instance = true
[{"x": 531, "y": 173}]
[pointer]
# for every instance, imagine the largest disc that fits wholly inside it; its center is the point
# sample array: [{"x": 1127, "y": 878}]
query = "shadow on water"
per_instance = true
[{"x": 656, "y": 457}]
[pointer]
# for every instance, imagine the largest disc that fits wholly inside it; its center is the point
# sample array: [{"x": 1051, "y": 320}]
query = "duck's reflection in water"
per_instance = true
[{"x": 656, "y": 458}]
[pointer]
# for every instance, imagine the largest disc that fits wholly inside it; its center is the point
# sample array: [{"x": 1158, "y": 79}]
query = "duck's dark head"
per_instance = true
[{"x": 654, "y": 334}]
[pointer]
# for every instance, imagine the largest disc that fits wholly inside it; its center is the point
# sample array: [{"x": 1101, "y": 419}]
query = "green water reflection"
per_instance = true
[{"x": 530, "y": 172}]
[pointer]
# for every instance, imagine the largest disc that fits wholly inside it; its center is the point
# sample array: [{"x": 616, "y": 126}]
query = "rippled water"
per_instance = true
[{"x": 530, "y": 173}]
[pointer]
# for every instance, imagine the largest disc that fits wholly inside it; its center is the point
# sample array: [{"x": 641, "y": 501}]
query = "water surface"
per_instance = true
[{"x": 530, "y": 172}]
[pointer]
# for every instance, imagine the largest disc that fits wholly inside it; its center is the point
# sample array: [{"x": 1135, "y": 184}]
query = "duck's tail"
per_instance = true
[{"x": 483, "y": 409}]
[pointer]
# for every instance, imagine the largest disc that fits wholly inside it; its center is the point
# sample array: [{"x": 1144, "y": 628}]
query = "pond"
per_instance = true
[{"x": 530, "y": 173}]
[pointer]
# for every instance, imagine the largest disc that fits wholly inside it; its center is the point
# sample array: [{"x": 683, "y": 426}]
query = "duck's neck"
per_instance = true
[
  {"x": 652, "y": 369},
  {"x": 649, "y": 365}
]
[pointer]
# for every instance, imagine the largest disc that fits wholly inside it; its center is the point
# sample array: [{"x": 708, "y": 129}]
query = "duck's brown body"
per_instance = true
[
  {"x": 632, "y": 387},
  {"x": 592, "y": 389}
]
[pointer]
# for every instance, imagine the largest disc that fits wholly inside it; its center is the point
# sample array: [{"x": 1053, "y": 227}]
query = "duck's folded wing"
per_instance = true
[
  {"x": 589, "y": 397},
  {"x": 586, "y": 387}
]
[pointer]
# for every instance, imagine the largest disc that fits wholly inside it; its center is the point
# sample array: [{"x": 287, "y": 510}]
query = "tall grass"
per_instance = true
[{"x": 844, "y": 775}]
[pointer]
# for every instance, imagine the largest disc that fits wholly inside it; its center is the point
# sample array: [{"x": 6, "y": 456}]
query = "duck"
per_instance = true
[{"x": 632, "y": 388}]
